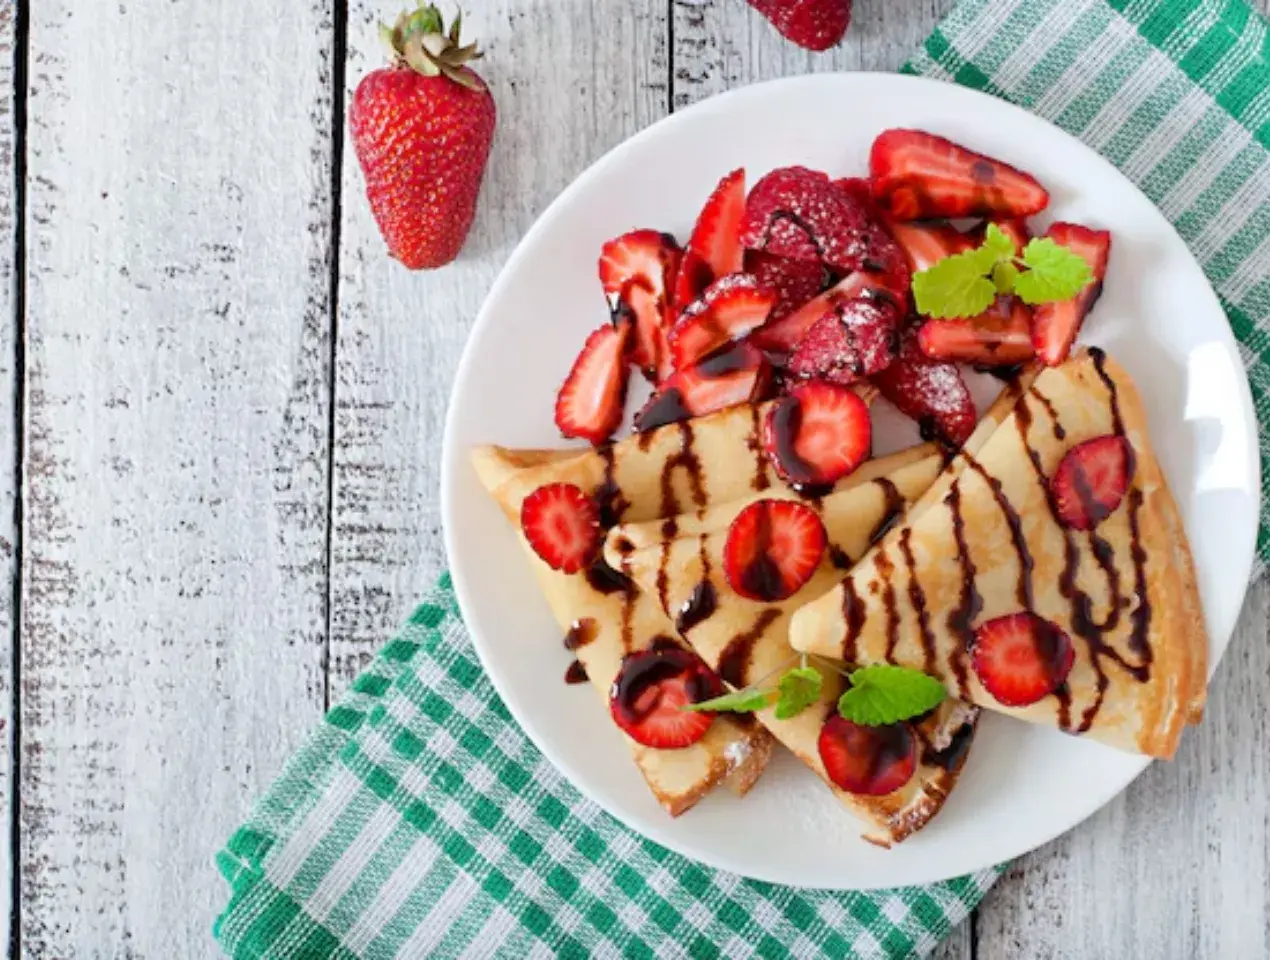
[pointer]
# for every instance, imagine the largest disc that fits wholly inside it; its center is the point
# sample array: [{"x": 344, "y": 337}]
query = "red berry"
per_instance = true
[
  {"x": 691, "y": 280},
  {"x": 562, "y": 524},
  {"x": 930, "y": 392},
  {"x": 812, "y": 24},
  {"x": 1015, "y": 228},
  {"x": 739, "y": 374},
  {"x": 1021, "y": 658},
  {"x": 794, "y": 282},
  {"x": 590, "y": 403},
  {"x": 919, "y": 176},
  {"x": 716, "y": 238},
  {"x": 652, "y": 687},
  {"x": 773, "y": 549},
  {"x": 926, "y": 244},
  {"x": 784, "y": 335},
  {"x": 1091, "y": 480},
  {"x": 817, "y": 434},
  {"x": 1001, "y": 336},
  {"x": 730, "y": 309},
  {"x": 1055, "y": 325},
  {"x": 869, "y": 761},
  {"x": 854, "y": 339},
  {"x": 637, "y": 270}
]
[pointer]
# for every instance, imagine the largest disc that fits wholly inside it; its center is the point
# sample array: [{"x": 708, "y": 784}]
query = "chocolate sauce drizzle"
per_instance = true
[
  {"x": 580, "y": 634},
  {"x": 917, "y": 597},
  {"x": 952, "y": 756},
  {"x": 886, "y": 569},
  {"x": 853, "y": 616},
  {"x": 699, "y": 606},
  {"x": 734, "y": 661},
  {"x": 891, "y": 512},
  {"x": 576, "y": 673},
  {"x": 755, "y": 444},
  {"x": 970, "y": 603}
]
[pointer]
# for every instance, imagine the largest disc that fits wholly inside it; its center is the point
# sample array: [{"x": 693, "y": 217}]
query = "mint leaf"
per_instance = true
[
  {"x": 1003, "y": 276},
  {"x": 883, "y": 694},
  {"x": 997, "y": 246},
  {"x": 799, "y": 689},
  {"x": 955, "y": 286},
  {"x": 742, "y": 701},
  {"x": 1054, "y": 273}
]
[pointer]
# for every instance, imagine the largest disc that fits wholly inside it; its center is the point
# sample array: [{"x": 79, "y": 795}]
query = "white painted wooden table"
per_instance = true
[{"x": 221, "y": 409}]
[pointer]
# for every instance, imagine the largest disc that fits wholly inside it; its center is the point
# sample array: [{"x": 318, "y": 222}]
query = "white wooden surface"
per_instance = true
[{"x": 230, "y": 476}]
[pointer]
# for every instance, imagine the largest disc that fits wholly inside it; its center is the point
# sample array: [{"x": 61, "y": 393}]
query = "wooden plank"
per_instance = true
[
  {"x": 9, "y": 334},
  {"x": 177, "y": 346},
  {"x": 601, "y": 77}
]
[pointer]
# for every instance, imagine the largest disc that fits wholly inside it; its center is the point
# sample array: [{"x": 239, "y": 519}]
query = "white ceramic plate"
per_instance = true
[{"x": 1022, "y": 785}]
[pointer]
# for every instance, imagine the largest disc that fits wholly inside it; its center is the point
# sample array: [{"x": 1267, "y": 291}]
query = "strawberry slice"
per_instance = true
[
  {"x": 773, "y": 549},
  {"x": 1001, "y": 336},
  {"x": 650, "y": 690},
  {"x": 1021, "y": 658},
  {"x": 730, "y": 309},
  {"x": 854, "y": 339},
  {"x": 818, "y": 433},
  {"x": 868, "y": 761},
  {"x": 783, "y": 336},
  {"x": 920, "y": 176},
  {"x": 562, "y": 524},
  {"x": 1015, "y": 228},
  {"x": 799, "y": 213},
  {"x": 793, "y": 281},
  {"x": 691, "y": 280},
  {"x": 1055, "y": 325},
  {"x": 930, "y": 392},
  {"x": 716, "y": 238},
  {"x": 928, "y": 243},
  {"x": 1091, "y": 480},
  {"x": 590, "y": 403},
  {"x": 738, "y": 374},
  {"x": 636, "y": 270}
]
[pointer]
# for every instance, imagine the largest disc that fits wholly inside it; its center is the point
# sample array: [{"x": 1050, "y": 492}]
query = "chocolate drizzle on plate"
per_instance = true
[
  {"x": 734, "y": 661},
  {"x": 580, "y": 634},
  {"x": 576, "y": 673}
]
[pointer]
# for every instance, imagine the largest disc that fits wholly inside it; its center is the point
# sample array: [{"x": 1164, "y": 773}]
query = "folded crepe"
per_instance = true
[
  {"x": 747, "y": 641},
  {"x": 986, "y": 542}
]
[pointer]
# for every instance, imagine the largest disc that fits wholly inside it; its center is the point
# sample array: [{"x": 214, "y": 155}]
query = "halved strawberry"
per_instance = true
[
  {"x": 650, "y": 690},
  {"x": 793, "y": 281},
  {"x": 818, "y": 433},
  {"x": 1001, "y": 336},
  {"x": 920, "y": 176},
  {"x": 1055, "y": 325},
  {"x": 930, "y": 392},
  {"x": 854, "y": 339},
  {"x": 799, "y": 213},
  {"x": 1021, "y": 658},
  {"x": 562, "y": 524},
  {"x": 730, "y": 309},
  {"x": 636, "y": 270},
  {"x": 716, "y": 238},
  {"x": 1015, "y": 228},
  {"x": 1091, "y": 480},
  {"x": 691, "y": 280},
  {"x": 590, "y": 403},
  {"x": 737, "y": 374},
  {"x": 868, "y": 761},
  {"x": 783, "y": 336},
  {"x": 773, "y": 549},
  {"x": 928, "y": 243}
]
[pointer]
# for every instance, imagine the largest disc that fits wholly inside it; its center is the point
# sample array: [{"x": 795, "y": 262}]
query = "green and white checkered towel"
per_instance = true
[{"x": 419, "y": 821}]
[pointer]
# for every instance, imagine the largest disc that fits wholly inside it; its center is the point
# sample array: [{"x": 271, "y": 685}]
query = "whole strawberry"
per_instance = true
[
  {"x": 422, "y": 129},
  {"x": 813, "y": 24}
]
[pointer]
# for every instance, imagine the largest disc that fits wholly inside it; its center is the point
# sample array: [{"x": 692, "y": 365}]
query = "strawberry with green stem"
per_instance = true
[{"x": 422, "y": 129}]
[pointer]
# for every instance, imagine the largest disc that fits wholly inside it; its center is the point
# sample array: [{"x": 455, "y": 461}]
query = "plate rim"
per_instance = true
[{"x": 453, "y": 459}]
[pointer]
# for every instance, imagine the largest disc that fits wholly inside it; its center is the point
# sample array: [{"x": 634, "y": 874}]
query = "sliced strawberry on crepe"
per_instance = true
[
  {"x": 1091, "y": 480},
  {"x": 930, "y": 392},
  {"x": 590, "y": 403},
  {"x": 928, "y": 243},
  {"x": 869, "y": 761},
  {"x": 1001, "y": 336},
  {"x": 737, "y": 374},
  {"x": 731, "y": 309},
  {"x": 783, "y": 336},
  {"x": 1021, "y": 658},
  {"x": 802, "y": 214},
  {"x": 920, "y": 176},
  {"x": 794, "y": 282},
  {"x": 854, "y": 339},
  {"x": 651, "y": 690},
  {"x": 716, "y": 238},
  {"x": 817, "y": 434},
  {"x": 562, "y": 524},
  {"x": 773, "y": 548},
  {"x": 637, "y": 270},
  {"x": 1055, "y": 325}
]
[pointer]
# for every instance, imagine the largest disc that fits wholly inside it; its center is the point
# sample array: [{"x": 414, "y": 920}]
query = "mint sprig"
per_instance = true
[
  {"x": 796, "y": 690},
  {"x": 740, "y": 701},
  {"x": 965, "y": 284},
  {"x": 883, "y": 694}
]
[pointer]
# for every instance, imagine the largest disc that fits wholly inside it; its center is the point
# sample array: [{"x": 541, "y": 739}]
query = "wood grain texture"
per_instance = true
[
  {"x": 571, "y": 79},
  {"x": 8, "y": 449},
  {"x": 174, "y": 562}
]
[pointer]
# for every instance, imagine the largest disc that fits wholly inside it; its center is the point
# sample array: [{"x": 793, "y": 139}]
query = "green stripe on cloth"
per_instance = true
[{"x": 419, "y": 821}]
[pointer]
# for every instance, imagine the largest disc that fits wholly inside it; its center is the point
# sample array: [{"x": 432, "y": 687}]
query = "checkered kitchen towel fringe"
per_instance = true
[{"x": 419, "y": 821}]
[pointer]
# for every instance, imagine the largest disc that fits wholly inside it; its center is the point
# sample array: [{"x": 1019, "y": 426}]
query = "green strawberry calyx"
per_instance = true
[{"x": 420, "y": 41}]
